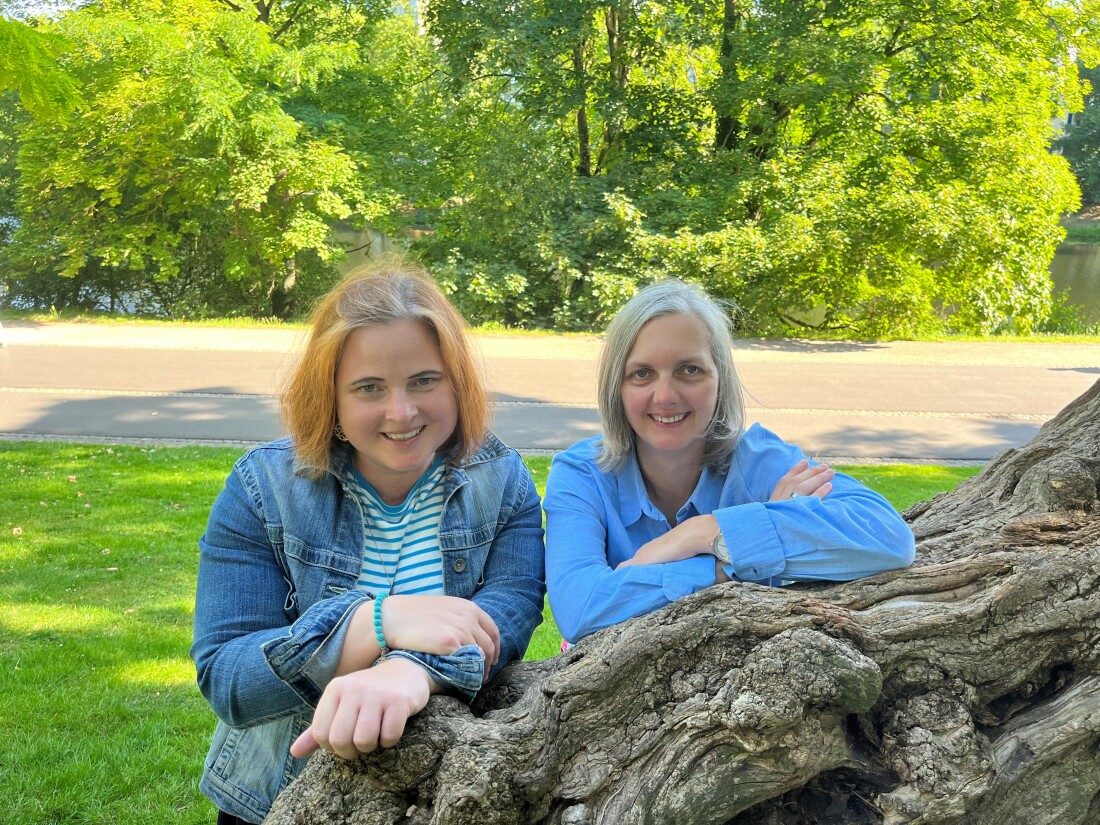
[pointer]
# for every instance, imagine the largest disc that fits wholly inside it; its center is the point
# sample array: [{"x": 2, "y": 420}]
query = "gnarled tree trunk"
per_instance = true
[{"x": 965, "y": 689}]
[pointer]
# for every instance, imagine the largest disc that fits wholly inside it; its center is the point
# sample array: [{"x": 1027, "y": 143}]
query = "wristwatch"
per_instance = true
[{"x": 719, "y": 550}]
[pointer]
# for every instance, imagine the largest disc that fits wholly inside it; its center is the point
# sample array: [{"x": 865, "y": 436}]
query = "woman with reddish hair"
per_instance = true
[{"x": 390, "y": 548}]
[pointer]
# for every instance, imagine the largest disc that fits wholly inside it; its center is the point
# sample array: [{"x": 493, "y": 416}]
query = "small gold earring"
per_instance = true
[{"x": 338, "y": 431}]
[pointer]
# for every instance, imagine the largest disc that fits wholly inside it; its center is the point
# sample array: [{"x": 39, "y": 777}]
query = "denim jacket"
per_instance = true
[{"x": 276, "y": 588}]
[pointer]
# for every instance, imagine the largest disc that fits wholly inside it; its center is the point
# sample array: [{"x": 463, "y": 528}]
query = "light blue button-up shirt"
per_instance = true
[{"x": 596, "y": 520}]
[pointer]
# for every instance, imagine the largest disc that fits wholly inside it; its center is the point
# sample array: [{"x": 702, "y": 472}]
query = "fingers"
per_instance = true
[
  {"x": 490, "y": 646},
  {"x": 439, "y": 625},
  {"x": 681, "y": 542},
  {"x": 304, "y": 745},
  {"x": 811, "y": 481},
  {"x": 366, "y": 710},
  {"x": 316, "y": 736},
  {"x": 468, "y": 624},
  {"x": 392, "y": 726},
  {"x": 804, "y": 479},
  {"x": 365, "y": 734},
  {"x": 354, "y": 728},
  {"x": 489, "y": 627}
]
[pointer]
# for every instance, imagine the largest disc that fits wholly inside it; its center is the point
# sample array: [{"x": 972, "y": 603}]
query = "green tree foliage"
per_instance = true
[
  {"x": 183, "y": 165},
  {"x": 30, "y": 83},
  {"x": 874, "y": 168},
  {"x": 28, "y": 65},
  {"x": 11, "y": 116},
  {"x": 877, "y": 167},
  {"x": 385, "y": 111},
  {"x": 1081, "y": 142}
]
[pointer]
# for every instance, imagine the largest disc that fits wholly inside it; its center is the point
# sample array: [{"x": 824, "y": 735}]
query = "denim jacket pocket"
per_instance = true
[{"x": 317, "y": 572}]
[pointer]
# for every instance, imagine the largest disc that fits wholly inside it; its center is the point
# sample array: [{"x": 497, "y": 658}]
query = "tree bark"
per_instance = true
[
  {"x": 584, "y": 146},
  {"x": 727, "y": 124},
  {"x": 965, "y": 689}
]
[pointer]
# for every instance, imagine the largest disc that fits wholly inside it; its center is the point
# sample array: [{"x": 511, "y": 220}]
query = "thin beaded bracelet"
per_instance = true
[{"x": 378, "y": 622}]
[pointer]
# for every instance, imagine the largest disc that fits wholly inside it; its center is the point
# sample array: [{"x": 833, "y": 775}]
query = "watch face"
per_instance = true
[{"x": 721, "y": 552}]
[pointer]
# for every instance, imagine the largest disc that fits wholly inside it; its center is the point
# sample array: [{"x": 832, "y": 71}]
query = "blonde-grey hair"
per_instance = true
[
  {"x": 669, "y": 297},
  {"x": 390, "y": 290}
]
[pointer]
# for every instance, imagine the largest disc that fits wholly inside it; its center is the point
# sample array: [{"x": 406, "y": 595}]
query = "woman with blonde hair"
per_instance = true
[
  {"x": 677, "y": 496},
  {"x": 388, "y": 549}
]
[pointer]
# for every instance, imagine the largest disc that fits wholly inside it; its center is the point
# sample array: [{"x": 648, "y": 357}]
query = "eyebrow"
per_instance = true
[
  {"x": 367, "y": 379},
  {"x": 695, "y": 359}
]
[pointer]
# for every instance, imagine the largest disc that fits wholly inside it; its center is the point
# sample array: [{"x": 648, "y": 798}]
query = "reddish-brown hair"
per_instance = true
[{"x": 381, "y": 293}]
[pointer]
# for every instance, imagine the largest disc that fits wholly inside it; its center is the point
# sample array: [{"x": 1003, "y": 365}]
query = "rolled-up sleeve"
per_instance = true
[
  {"x": 461, "y": 672},
  {"x": 850, "y": 533}
]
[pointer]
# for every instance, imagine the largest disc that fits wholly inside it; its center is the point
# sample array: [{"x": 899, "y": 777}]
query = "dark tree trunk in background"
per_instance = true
[
  {"x": 282, "y": 291},
  {"x": 965, "y": 690},
  {"x": 584, "y": 147}
]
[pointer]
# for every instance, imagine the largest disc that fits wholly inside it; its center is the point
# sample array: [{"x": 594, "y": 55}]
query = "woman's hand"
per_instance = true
[
  {"x": 439, "y": 625},
  {"x": 427, "y": 624},
  {"x": 367, "y": 709},
  {"x": 688, "y": 538},
  {"x": 804, "y": 480}
]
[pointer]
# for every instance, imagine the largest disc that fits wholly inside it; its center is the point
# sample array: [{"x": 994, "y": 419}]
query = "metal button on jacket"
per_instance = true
[{"x": 459, "y": 565}]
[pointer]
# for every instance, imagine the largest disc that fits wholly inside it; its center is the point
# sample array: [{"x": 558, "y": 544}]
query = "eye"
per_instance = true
[
  {"x": 368, "y": 389},
  {"x": 640, "y": 374},
  {"x": 692, "y": 369},
  {"x": 425, "y": 382}
]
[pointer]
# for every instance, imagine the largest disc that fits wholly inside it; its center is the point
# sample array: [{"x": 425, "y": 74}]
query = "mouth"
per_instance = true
[
  {"x": 408, "y": 436},
  {"x": 669, "y": 419}
]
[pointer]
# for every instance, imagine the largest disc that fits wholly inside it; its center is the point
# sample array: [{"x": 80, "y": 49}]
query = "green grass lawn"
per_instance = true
[{"x": 98, "y": 554}]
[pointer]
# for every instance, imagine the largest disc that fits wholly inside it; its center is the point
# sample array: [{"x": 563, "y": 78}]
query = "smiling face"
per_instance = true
[
  {"x": 395, "y": 403},
  {"x": 670, "y": 388}
]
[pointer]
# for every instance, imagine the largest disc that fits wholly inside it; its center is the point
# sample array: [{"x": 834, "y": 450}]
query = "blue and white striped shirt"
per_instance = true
[{"x": 401, "y": 552}]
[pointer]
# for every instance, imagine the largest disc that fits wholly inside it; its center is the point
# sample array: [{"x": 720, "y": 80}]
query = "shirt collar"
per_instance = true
[{"x": 634, "y": 500}]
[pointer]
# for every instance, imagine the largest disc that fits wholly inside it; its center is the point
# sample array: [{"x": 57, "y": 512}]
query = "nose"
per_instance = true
[
  {"x": 402, "y": 406},
  {"x": 664, "y": 392}
]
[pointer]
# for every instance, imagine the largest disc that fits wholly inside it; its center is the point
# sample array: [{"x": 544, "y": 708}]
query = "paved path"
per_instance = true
[{"x": 839, "y": 400}]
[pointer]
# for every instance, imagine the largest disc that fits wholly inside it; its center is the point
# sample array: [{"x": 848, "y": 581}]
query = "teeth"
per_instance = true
[
  {"x": 403, "y": 436},
  {"x": 672, "y": 419}
]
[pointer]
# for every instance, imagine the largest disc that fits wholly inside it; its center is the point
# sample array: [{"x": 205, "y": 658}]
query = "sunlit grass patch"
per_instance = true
[
  {"x": 157, "y": 673},
  {"x": 905, "y": 484},
  {"x": 59, "y": 619}
]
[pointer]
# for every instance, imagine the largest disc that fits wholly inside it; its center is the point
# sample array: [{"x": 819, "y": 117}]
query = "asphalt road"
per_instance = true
[{"x": 902, "y": 401}]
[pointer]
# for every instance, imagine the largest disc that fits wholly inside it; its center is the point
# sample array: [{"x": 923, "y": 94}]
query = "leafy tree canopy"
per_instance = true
[
  {"x": 185, "y": 151},
  {"x": 28, "y": 65},
  {"x": 875, "y": 168},
  {"x": 867, "y": 167},
  {"x": 1081, "y": 142}
]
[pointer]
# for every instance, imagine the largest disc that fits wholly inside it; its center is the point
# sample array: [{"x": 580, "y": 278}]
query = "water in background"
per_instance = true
[{"x": 1075, "y": 270}]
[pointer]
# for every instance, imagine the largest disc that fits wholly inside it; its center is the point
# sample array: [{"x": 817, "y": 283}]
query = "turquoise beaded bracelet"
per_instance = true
[{"x": 378, "y": 622}]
